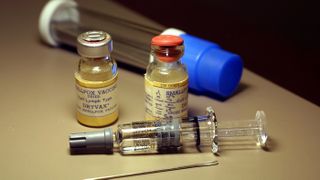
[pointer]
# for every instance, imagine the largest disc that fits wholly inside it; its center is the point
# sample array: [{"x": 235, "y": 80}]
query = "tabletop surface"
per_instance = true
[{"x": 38, "y": 113}]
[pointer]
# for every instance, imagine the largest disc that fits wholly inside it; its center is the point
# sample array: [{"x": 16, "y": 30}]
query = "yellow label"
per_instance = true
[
  {"x": 94, "y": 84},
  {"x": 166, "y": 100},
  {"x": 96, "y": 98}
]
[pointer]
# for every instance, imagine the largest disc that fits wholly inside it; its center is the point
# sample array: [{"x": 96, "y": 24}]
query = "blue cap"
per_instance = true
[{"x": 210, "y": 68}]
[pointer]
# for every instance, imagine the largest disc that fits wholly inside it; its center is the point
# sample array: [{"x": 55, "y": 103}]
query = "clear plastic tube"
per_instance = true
[{"x": 131, "y": 40}]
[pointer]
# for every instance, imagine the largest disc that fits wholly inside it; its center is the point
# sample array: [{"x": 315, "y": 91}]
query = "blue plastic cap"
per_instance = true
[{"x": 210, "y": 68}]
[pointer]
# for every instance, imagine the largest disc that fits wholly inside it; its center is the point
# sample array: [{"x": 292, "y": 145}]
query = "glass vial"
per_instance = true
[
  {"x": 96, "y": 80},
  {"x": 166, "y": 79}
]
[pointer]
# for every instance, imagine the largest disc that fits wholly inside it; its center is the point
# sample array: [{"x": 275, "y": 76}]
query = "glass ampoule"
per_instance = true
[
  {"x": 166, "y": 79},
  {"x": 96, "y": 80}
]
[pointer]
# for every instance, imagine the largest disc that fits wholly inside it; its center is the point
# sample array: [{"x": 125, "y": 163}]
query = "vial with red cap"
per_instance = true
[{"x": 166, "y": 79}]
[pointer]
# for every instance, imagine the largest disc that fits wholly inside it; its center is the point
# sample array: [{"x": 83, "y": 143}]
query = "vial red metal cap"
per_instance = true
[
  {"x": 167, "y": 48},
  {"x": 166, "y": 40}
]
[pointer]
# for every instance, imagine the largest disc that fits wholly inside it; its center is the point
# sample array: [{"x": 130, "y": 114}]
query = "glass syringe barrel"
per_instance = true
[
  {"x": 175, "y": 135},
  {"x": 211, "y": 69}
]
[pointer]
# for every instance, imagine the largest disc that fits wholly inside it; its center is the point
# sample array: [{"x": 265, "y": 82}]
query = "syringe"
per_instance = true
[{"x": 174, "y": 135}]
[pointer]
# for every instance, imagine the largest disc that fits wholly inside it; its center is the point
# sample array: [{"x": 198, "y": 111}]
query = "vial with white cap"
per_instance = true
[{"x": 96, "y": 80}]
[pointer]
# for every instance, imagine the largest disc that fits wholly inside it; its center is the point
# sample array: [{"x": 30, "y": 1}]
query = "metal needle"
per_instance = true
[{"x": 203, "y": 164}]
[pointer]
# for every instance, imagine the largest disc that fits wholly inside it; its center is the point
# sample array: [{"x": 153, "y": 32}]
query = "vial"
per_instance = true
[
  {"x": 96, "y": 80},
  {"x": 166, "y": 79}
]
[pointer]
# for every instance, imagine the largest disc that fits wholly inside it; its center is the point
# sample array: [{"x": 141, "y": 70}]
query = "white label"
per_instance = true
[
  {"x": 166, "y": 102},
  {"x": 97, "y": 101}
]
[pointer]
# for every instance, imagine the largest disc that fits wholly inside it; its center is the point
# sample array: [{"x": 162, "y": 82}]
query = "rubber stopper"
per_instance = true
[
  {"x": 166, "y": 47},
  {"x": 166, "y": 40}
]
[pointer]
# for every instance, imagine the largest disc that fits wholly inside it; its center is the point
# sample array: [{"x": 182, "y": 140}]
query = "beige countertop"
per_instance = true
[{"x": 37, "y": 113}]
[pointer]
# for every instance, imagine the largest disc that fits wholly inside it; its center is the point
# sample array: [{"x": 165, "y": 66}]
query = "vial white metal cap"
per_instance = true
[{"x": 94, "y": 44}]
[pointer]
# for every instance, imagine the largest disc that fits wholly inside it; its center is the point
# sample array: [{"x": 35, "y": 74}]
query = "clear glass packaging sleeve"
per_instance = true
[{"x": 211, "y": 69}]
